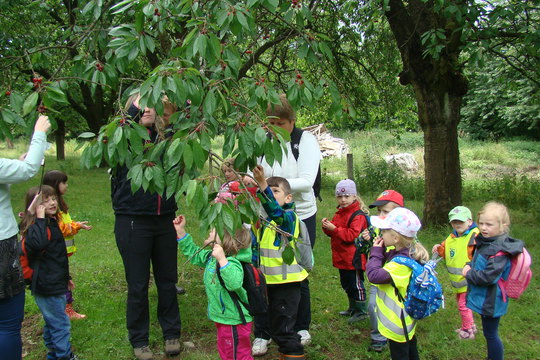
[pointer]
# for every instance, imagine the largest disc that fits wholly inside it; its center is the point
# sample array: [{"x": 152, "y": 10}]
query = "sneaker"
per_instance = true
[
  {"x": 72, "y": 314},
  {"x": 377, "y": 346},
  {"x": 474, "y": 329},
  {"x": 172, "y": 347},
  {"x": 260, "y": 346},
  {"x": 180, "y": 290},
  {"x": 143, "y": 353},
  {"x": 466, "y": 334},
  {"x": 305, "y": 337}
]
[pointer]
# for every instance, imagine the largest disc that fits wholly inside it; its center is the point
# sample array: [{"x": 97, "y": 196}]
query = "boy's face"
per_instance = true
[
  {"x": 383, "y": 210},
  {"x": 460, "y": 226},
  {"x": 280, "y": 196},
  {"x": 345, "y": 200},
  {"x": 51, "y": 205},
  {"x": 285, "y": 124}
]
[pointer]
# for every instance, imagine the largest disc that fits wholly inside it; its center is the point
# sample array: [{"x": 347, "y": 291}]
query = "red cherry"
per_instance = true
[
  {"x": 8, "y": 93},
  {"x": 249, "y": 52}
]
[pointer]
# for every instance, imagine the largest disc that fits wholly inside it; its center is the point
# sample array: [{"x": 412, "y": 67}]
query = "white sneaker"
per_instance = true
[
  {"x": 260, "y": 346},
  {"x": 305, "y": 337}
]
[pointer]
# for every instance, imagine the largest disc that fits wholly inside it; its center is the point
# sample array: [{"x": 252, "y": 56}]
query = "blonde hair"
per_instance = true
[
  {"x": 500, "y": 212},
  {"x": 363, "y": 206},
  {"x": 241, "y": 240},
  {"x": 417, "y": 251}
]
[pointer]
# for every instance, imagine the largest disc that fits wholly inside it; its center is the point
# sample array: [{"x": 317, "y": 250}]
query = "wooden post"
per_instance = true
[{"x": 350, "y": 167}]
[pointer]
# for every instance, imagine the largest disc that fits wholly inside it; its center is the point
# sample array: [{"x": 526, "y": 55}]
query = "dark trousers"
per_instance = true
[
  {"x": 11, "y": 317},
  {"x": 495, "y": 348},
  {"x": 352, "y": 281},
  {"x": 283, "y": 302},
  {"x": 303, "y": 318},
  {"x": 145, "y": 240},
  {"x": 403, "y": 351}
]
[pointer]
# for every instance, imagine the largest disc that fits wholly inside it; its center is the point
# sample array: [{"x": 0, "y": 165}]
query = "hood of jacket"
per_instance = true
[{"x": 490, "y": 246}]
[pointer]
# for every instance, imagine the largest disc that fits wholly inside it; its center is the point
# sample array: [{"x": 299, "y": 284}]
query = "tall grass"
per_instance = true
[{"x": 101, "y": 290}]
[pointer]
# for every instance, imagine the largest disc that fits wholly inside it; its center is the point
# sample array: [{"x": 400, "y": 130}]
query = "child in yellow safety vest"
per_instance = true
[
  {"x": 59, "y": 181},
  {"x": 457, "y": 250},
  {"x": 398, "y": 229}
]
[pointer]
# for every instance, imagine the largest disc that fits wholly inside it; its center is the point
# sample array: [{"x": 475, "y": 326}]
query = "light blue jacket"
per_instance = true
[{"x": 16, "y": 171}]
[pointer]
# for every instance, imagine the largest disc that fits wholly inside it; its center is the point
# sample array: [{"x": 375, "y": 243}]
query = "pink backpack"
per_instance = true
[{"x": 519, "y": 277}]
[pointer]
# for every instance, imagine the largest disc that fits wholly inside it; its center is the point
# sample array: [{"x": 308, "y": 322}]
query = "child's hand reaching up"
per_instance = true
[
  {"x": 179, "y": 225},
  {"x": 258, "y": 174},
  {"x": 212, "y": 237},
  {"x": 219, "y": 254}
]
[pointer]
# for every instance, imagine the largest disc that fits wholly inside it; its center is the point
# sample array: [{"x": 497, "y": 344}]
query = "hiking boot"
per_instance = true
[
  {"x": 359, "y": 312},
  {"x": 143, "y": 353},
  {"x": 349, "y": 311},
  {"x": 305, "y": 337},
  {"x": 180, "y": 290},
  {"x": 377, "y": 346},
  {"x": 172, "y": 347},
  {"x": 260, "y": 346},
  {"x": 72, "y": 314},
  {"x": 290, "y": 357}
]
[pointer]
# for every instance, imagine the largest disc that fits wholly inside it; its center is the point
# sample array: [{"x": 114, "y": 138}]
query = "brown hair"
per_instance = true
[
  {"x": 241, "y": 240},
  {"x": 28, "y": 219},
  {"x": 278, "y": 181},
  {"x": 500, "y": 211},
  {"x": 54, "y": 178},
  {"x": 161, "y": 124},
  {"x": 283, "y": 111}
]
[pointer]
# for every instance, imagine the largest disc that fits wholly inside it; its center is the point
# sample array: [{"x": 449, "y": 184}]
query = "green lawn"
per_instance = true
[{"x": 101, "y": 290}]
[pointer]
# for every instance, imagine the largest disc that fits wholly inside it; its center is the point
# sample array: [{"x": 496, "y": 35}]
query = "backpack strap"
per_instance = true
[
  {"x": 355, "y": 214},
  {"x": 500, "y": 282},
  {"x": 232, "y": 294},
  {"x": 296, "y": 136}
]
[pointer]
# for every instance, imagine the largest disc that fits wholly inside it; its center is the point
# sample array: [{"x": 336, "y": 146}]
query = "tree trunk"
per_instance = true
[
  {"x": 60, "y": 136},
  {"x": 439, "y": 117}
]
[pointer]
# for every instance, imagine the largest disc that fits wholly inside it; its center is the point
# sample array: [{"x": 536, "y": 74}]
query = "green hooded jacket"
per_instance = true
[{"x": 221, "y": 308}]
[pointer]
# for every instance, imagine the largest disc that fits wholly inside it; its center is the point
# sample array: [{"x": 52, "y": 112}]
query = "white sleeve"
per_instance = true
[
  {"x": 309, "y": 158},
  {"x": 14, "y": 171}
]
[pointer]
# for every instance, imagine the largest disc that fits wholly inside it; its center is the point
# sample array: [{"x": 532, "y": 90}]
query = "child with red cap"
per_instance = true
[{"x": 387, "y": 201}]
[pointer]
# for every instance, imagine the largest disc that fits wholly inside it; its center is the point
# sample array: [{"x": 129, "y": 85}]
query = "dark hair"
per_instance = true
[
  {"x": 278, "y": 181},
  {"x": 28, "y": 219},
  {"x": 283, "y": 111},
  {"x": 54, "y": 178}
]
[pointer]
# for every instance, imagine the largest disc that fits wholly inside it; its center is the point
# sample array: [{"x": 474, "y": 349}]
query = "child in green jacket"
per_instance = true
[{"x": 233, "y": 340}]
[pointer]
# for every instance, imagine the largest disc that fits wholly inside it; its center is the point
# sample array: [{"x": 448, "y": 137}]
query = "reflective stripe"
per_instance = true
[
  {"x": 389, "y": 302},
  {"x": 271, "y": 253},
  {"x": 398, "y": 330},
  {"x": 278, "y": 270},
  {"x": 455, "y": 270},
  {"x": 70, "y": 242},
  {"x": 459, "y": 284}
]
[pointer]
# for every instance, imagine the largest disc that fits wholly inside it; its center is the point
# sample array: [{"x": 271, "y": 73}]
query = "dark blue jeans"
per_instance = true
[
  {"x": 11, "y": 317},
  {"x": 495, "y": 346}
]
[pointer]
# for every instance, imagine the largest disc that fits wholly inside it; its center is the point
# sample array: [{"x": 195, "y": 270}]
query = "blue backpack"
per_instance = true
[{"x": 424, "y": 293}]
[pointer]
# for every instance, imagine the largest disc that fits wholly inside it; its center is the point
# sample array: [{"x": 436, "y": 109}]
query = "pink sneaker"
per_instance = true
[{"x": 465, "y": 334}]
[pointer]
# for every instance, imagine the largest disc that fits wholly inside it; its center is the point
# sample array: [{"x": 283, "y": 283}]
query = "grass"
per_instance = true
[{"x": 101, "y": 290}]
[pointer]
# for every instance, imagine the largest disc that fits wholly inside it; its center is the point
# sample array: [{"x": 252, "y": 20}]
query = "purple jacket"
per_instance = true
[{"x": 377, "y": 258}]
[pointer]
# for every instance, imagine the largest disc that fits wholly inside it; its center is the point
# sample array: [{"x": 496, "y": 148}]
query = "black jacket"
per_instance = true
[{"x": 48, "y": 258}]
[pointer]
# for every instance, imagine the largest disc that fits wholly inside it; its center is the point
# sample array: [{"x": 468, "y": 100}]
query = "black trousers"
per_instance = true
[
  {"x": 144, "y": 240},
  {"x": 403, "y": 351},
  {"x": 283, "y": 304}
]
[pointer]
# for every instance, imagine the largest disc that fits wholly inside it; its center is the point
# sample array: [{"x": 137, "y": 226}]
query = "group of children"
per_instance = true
[{"x": 469, "y": 252}]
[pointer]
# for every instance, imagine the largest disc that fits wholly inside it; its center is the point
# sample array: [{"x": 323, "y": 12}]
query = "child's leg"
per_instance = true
[
  {"x": 56, "y": 332},
  {"x": 403, "y": 351},
  {"x": 467, "y": 320},
  {"x": 283, "y": 302},
  {"x": 495, "y": 346},
  {"x": 233, "y": 341},
  {"x": 376, "y": 336}
]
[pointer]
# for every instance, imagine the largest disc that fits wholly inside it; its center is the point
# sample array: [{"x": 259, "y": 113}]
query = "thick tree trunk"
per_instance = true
[
  {"x": 60, "y": 137},
  {"x": 439, "y": 117}
]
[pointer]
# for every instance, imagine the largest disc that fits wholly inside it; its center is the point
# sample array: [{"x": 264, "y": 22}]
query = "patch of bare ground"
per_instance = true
[{"x": 31, "y": 333}]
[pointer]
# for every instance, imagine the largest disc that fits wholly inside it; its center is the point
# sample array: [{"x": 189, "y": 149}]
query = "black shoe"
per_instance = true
[{"x": 180, "y": 290}]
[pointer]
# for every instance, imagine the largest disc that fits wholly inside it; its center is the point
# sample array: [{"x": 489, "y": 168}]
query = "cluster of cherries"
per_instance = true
[
  {"x": 99, "y": 66},
  {"x": 37, "y": 82},
  {"x": 299, "y": 79},
  {"x": 296, "y": 4}
]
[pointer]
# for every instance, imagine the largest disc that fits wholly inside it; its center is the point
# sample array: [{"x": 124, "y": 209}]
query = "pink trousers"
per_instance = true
[
  {"x": 233, "y": 341},
  {"x": 467, "y": 320}
]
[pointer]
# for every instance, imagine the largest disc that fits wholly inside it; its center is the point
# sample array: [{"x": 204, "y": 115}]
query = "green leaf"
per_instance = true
[
  {"x": 87, "y": 135},
  {"x": 190, "y": 191},
  {"x": 135, "y": 174},
  {"x": 56, "y": 95},
  {"x": 117, "y": 137},
  {"x": 188, "y": 156},
  {"x": 242, "y": 20},
  {"x": 30, "y": 103},
  {"x": 260, "y": 136},
  {"x": 288, "y": 254}
]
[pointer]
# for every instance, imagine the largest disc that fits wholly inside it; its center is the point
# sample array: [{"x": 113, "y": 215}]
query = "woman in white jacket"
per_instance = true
[
  {"x": 11, "y": 278},
  {"x": 301, "y": 172}
]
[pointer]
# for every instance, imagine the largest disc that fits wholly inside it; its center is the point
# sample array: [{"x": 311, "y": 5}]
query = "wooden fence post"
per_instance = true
[{"x": 350, "y": 167}]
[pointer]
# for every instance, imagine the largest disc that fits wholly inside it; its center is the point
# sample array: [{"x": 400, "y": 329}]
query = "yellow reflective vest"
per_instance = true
[
  {"x": 389, "y": 307},
  {"x": 456, "y": 256},
  {"x": 275, "y": 270},
  {"x": 69, "y": 229}
]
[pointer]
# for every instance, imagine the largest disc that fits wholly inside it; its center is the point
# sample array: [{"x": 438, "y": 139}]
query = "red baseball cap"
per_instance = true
[{"x": 386, "y": 196}]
